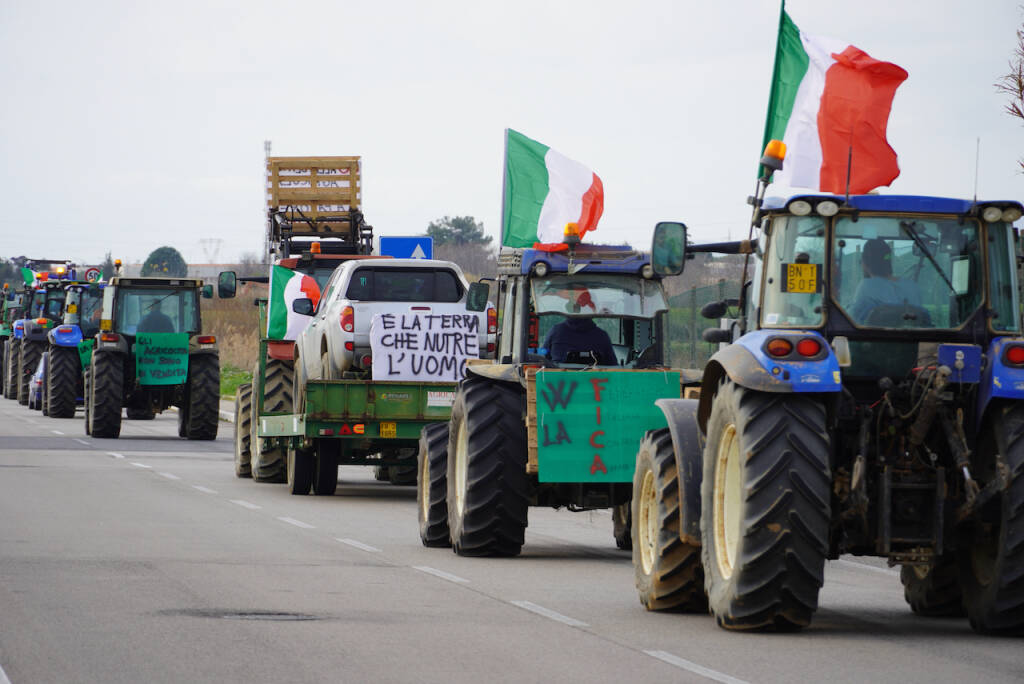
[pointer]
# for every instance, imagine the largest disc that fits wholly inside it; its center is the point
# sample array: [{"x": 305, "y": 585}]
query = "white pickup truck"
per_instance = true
[{"x": 337, "y": 339}]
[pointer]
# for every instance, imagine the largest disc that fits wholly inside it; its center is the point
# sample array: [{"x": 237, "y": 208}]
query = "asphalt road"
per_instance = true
[{"x": 143, "y": 559}]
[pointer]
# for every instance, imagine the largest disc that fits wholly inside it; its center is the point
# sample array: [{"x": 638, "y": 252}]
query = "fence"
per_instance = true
[{"x": 685, "y": 324}]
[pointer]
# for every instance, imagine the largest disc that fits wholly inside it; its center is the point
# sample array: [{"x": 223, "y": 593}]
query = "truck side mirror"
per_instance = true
[
  {"x": 303, "y": 306},
  {"x": 476, "y": 300},
  {"x": 207, "y": 291},
  {"x": 227, "y": 284},
  {"x": 668, "y": 250}
]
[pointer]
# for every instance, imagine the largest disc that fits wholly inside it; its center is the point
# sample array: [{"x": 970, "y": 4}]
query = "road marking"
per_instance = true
[
  {"x": 57, "y": 432},
  {"x": 111, "y": 453},
  {"x": 170, "y": 476},
  {"x": 548, "y": 613},
  {"x": 864, "y": 566},
  {"x": 82, "y": 442},
  {"x": 715, "y": 675},
  {"x": 297, "y": 523},
  {"x": 245, "y": 504},
  {"x": 3, "y": 676},
  {"x": 359, "y": 545},
  {"x": 204, "y": 490},
  {"x": 141, "y": 465},
  {"x": 440, "y": 573}
]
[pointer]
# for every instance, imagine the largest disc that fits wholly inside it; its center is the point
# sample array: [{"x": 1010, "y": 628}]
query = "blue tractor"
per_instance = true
[
  {"x": 70, "y": 347},
  {"x": 866, "y": 399},
  {"x": 44, "y": 309}
]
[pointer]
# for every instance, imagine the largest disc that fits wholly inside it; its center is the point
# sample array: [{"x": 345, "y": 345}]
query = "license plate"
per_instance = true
[
  {"x": 801, "y": 278},
  {"x": 389, "y": 429}
]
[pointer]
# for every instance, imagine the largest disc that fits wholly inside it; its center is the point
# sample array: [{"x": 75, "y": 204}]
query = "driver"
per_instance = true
[
  {"x": 156, "y": 321},
  {"x": 580, "y": 335},
  {"x": 879, "y": 287}
]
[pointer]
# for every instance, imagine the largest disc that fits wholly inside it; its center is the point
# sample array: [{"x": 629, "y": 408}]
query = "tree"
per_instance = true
[
  {"x": 166, "y": 262},
  {"x": 107, "y": 267},
  {"x": 458, "y": 230},
  {"x": 1012, "y": 84}
]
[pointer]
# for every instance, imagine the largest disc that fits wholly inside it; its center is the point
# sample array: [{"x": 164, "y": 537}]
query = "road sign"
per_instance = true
[
  {"x": 418, "y": 247},
  {"x": 92, "y": 274}
]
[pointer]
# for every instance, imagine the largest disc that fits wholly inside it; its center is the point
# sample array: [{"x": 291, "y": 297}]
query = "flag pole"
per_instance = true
[
  {"x": 849, "y": 168},
  {"x": 771, "y": 88},
  {"x": 504, "y": 191}
]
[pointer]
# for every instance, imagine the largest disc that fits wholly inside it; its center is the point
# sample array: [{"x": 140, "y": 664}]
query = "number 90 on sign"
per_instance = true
[{"x": 803, "y": 278}]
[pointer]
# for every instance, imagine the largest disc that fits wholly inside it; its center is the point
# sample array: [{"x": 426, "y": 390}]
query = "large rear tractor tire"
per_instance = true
[
  {"x": 28, "y": 359},
  {"x": 622, "y": 524},
  {"x": 933, "y": 591},
  {"x": 667, "y": 570},
  {"x": 299, "y": 470},
  {"x": 105, "y": 395},
  {"x": 11, "y": 368},
  {"x": 765, "y": 502},
  {"x": 243, "y": 420},
  {"x": 64, "y": 372},
  {"x": 270, "y": 464},
  {"x": 86, "y": 389},
  {"x": 992, "y": 551},
  {"x": 488, "y": 488},
  {"x": 432, "y": 485},
  {"x": 402, "y": 475},
  {"x": 203, "y": 396},
  {"x": 325, "y": 466}
]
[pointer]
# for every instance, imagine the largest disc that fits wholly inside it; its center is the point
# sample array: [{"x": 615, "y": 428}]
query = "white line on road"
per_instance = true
[
  {"x": 864, "y": 566},
  {"x": 359, "y": 545},
  {"x": 140, "y": 465},
  {"x": 170, "y": 476},
  {"x": 3, "y": 676},
  {"x": 548, "y": 613},
  {"x": 664, "y": 656},
  {"x": 245, "y": 504},
  {"x": 297, "y": 523},
  {"x": 57, "y": 432},
  {"x": 82, "y": 442},
  {"x": 204, "y": 490},
  {"x": 111, "y": 453},
  {"x": 440, "y": 573}
]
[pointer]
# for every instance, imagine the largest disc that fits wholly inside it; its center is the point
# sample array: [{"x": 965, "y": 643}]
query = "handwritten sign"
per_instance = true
[
  {"x": 589, "y": 424},
  {"x": 423, "y": 346},
  {"x": 161, "y": 358}
]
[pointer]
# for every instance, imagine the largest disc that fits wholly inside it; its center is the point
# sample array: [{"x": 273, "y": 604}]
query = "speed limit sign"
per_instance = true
[{"x": 92, "y": 274}]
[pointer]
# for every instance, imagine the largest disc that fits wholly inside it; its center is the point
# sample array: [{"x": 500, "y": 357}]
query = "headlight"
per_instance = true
[
  {"x": 800, "y": 208},
  {"x": 540, "y": 268},
  {"x": 1011, "y": 214},
  {"x": 827, "y": 208},
  {"x": 647, "y": 271},
  {"x": 991, "y": 214}
]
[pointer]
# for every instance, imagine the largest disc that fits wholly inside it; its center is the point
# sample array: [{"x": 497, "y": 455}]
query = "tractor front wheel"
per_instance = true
[
  {"x": 203, "y": 397},
  {"x": 64, "y": 372},
  {"x": 27, "y": 362},
  {"x": 269, "y": 464},
  {"x": 105, "y": 395},
  {"x": 933, "y": 591},
  {"x": 243, "y": 418},
  {"x": 432, "y": 485}
]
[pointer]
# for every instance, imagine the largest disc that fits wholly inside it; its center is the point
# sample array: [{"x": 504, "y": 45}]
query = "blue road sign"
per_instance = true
[{"x": 419, "y": 247}]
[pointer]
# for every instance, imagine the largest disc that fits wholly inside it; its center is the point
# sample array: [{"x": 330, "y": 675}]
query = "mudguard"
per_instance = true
[
  {"x": 19, "y": 329},
  {"x": 505, "y": 372},
  {"x": 688, "y": 445},
  {"x": 997, "y": 379},
  {"x": 65, "y": 336},
  {"x": 747, "y": 364}
]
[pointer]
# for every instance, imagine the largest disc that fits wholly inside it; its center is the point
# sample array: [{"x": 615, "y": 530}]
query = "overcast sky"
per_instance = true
[{"x": 125, "y": 126}]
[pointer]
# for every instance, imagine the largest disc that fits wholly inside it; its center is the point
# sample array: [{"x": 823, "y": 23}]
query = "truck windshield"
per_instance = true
[
  {"x": 606, "y": 295},
  {"x": 152, "y": 310},
  {"x": 906, "y": 272},
  {"x": 88, "y": 306},
  {"x": 38, "y": 302},
  {"x": 793, "y": 271}
]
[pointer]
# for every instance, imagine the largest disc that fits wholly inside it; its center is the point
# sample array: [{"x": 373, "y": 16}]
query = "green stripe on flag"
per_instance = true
[
  {"x": 277, "y": 314},
  {"x": 28, "y": 275},
  {"x": 791, "y": 63},
  {"x": 526, "y": 187}
]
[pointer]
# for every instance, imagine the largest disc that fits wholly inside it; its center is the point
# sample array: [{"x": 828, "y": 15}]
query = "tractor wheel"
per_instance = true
[
  {"x": 105, "y": 394},
  {"x": 203, "y": 396},
  {"x": 992, "y": 552},
  {"x": 4, "y": 346},
  {"x": 144, "y": 413},
  {"x": 300, "y": 470},
  {"x": 933, "y": 591},
  {"x": 27, "y": 362},
  {"x": 64, "y": 372},
  {"x": 667, "y": 569},
  {"x": 381, "y": 474},
  {"x": 402, "y": 475},
  {"x": 183, "y": 415},
  {"x": 764, "y": 508},
  {"x": 622, "y": 523},
  {"x": 488, "y": 488},
  {"x": 325, "y": 466},
  {"x": 243, "y": 418},
  {"x": 11, "y": 383},
  {"x": 432, "y": 487},
  {"x": 86, "y": 387},
  {"x": 269, "y": 464}
]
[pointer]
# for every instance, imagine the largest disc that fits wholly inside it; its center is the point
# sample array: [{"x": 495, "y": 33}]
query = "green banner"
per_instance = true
[
  {"x": 590, "y": 423},
  {"x": 85, "y": 351},
  {"x": 161, "y": 358}
]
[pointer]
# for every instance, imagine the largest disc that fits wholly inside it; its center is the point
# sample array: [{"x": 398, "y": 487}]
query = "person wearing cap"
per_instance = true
[
  {"x": 879, "y": 287},
  {"x": 580, "y": 335},
  {"x": 156, "y": 321}
]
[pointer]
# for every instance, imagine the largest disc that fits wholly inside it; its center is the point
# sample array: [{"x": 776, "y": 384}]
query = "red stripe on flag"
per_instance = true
[
  {"x": 593, "y": 206},
  {"x": 310, "y": 289},
  {"x": 855, "y": 111}
]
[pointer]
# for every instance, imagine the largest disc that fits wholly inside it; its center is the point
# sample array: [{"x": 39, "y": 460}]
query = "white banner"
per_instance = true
[{"x": 423, "y": 346}]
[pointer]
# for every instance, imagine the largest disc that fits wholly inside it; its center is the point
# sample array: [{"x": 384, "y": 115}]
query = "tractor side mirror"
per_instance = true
[
  {"x": 207, "y": 291},
  {"x": 303, "y": 306},
  {"x": 478, "y": 295},
  {"x": 668, "y": 250},
  {"x": 227, "y": 284}
]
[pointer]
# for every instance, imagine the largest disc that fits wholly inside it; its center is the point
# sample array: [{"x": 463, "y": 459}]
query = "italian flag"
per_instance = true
[
  {"x": 828, "y": 97},
  {"x": 286, "y": 286},
  {"x": 28, "y": 275},
  {"x": 545, "y": 190}
]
